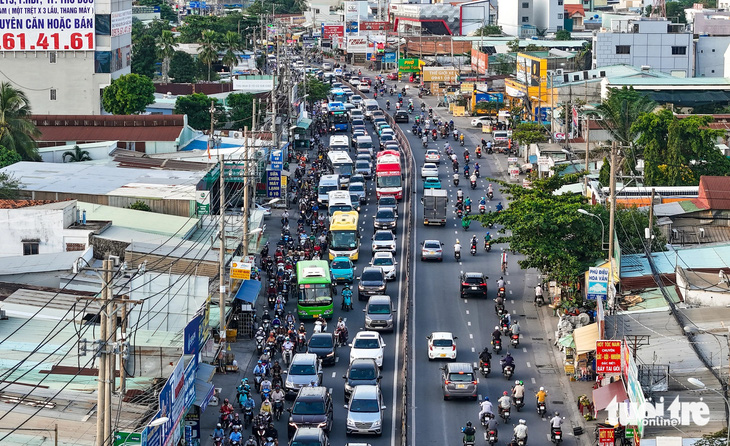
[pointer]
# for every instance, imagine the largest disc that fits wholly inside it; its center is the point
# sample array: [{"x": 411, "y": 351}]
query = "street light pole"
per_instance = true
[
  {"x": 603, "y": 232},
  {"x": 700, "y": 385}
]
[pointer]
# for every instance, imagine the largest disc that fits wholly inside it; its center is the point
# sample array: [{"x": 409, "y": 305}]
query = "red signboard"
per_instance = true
[
  {"x": 374, "y": 26},
  {"x": 330, "y": 31},
  {"x": 605, "y": 436},
  {"x": 608, "y": 357}
]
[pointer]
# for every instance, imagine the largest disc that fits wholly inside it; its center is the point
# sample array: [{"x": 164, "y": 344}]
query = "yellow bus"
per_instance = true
[{"x": 344, "y": 236}]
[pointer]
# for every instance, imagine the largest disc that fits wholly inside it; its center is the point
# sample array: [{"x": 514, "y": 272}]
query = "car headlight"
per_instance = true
[
  {"x": 322, "y": 425},
  {"x": 381, "y": 287},
  {"x": 350, "y": 423},
  {"x": 368, "y": 319},
  {"x": 330, "y": 354},
  {"x": 376, "y": 424}
]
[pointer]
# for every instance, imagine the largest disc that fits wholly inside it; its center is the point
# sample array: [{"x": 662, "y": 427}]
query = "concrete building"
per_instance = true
[
  {"x": 442, "y": 18},
  {"x": 710, "y": 55},
  {"x": 654, "y": 43},
  {"x": 708, "y": 22},
  {"x": 523, "y": 18},
  {"x": 103, "y": 35}
]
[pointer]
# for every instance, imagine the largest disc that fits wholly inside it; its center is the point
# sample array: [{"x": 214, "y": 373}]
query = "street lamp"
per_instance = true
[
  {"x": 154, "y": 423},
  {"x": 701, "y": 386},
  {"x": 603, "y": 228}
]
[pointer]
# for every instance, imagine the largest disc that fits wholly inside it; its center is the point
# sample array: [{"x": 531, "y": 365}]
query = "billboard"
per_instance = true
[
  {"x": 438, "y": 74},
  {"x": 410, "y": 65},
  {"x": 332, "y": 31},
  {"x": 479, "y": 61},
  {"x": 389, "y": 58},
  {"x": 608, "y": 356},
  {"x": 357, "y": 45},
  {"x": 45, "y": 25},
  {"x": 356, "y": 11},
  {"x": 273, "y": 183},
  {"x": 121, "y": 22},
  {"x": 597, "y": 283},
  {"x": 256, "y": 84},
  {"x": 531, "y": 70},
  {"x": 374, "y": 26}
]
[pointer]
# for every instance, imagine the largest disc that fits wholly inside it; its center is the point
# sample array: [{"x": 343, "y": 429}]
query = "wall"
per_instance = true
[
  {"x": 714, "y": 24},
  {"x": 710, "y": 56},
  {"x": 509, "y": 16},
  {"x": 545, "y": 14},
  {"x": 183, "y": 208},
  {"x": 46, "y": 225},
  {"x": 654, "y": 50},
  {"x": 701, "y": 297}
]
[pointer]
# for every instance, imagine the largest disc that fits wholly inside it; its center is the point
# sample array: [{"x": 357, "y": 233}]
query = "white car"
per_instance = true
[
  {"x": 384, "y": 241},
  {"x": 365, "y": 88},
  {"x": 265, "y": 209},
  {"x": 356, "y": 99},
  {"x": 355, "y": 82},
  {"x": 429, "y": 170},
  {"x": 368, "y": 345},
  {"x": 387, "y": 262},
  {"x": 481, "y": 120},
  {"x": 441, "y": 345},
  {"x": 433, "y": 156}
]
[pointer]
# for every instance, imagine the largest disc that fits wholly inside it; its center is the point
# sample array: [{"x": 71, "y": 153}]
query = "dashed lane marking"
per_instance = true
[{"x": 528, "y": 364}]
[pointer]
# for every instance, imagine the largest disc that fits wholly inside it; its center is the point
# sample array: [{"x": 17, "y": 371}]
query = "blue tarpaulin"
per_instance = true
[{"x": 249, "y": 291}]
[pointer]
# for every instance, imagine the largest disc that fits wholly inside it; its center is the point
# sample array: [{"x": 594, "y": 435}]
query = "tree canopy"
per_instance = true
[
  {"x": 8, "y": 157},
  {"x": 563, "y": 34},
  {"x": 184, "y": 68},
  {"x": 76, "y": 155},
  {"x": 316, "y": 89},
  {"x": 489, "y": 30},
  {"x": 144, "y": 50},
  {"x": 129, "y": 94},
  {"x": 241, "y": 109},
  {"x": 528, "y": 133},
  {"x": 17, "y": 132},
  {"x": 197, "y": 107}
]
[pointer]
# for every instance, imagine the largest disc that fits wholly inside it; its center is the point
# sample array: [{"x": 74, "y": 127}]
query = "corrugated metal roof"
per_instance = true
[
  {"x": 716, "y": 256},
  {"x": 715, "y": 192},
  {"x": 135, "y": 128},
  {"x": 148, "y": 222}
]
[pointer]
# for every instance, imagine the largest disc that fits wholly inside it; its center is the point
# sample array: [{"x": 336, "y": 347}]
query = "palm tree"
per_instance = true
[
  {"x": 17, "y": 132},
  {"x": 208, "y": 51},
  {"x": 76, "y": 155},
  {"x": 231, "y": 44},
  {"x": 166, "y": 49}
]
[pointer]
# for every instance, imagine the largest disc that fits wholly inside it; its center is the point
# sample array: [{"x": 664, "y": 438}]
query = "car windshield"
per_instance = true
[
  {"x": 383, "y": 236},
  {"x": 342, "y": 208},
  {"x": 370, "y": 276},
  {"x": 357, "y": 187},
  {"x": 367, "y": 343},
  {"x": 308, "y": 407},
  {"x": 355, "y": 199},
  {"x": 379, "y": 309},
  {"x": 461, "y": 377},
  {"x": 474, "y": 280},
  {"x": 385, "y": 213},
  {"x": 368, "y": 406},
  {"x": 306, "y": 443},
  {"x": 362, "y": 165},
  {"x": 382, "y": 261},
  {"x": 321, "y": 342},
  {"x": 387, "y": 201},
  {"x": 389, "y": 181},
  {"x": 302, "y": 369},
  {"x": 358, "y": 122},
  {"x": 362, "y": 373},
  {"x": 442, "y": 343},
  {"x": 432, "y": 245},
  {"x": 341, "y": 264}
]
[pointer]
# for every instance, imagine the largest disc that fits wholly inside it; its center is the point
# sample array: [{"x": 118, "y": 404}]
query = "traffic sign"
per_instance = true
[{"x": 606, "y": 436}]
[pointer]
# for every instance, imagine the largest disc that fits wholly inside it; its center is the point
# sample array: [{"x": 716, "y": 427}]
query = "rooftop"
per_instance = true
[
  {"x": 90, "y": 128},
  {"x": 147, "y": 222},
  {"x": 714, "y": 193},
  {"x": 714, "y": 256},
  {"x": 17, "y": 204}
]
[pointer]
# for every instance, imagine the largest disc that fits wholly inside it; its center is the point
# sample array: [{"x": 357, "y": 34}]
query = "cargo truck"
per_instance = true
[{"x": 434, "y": 206}]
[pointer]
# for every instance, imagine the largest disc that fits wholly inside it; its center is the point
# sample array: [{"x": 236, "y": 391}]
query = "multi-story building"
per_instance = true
[
  {"x": 523, "y": 18},
  {"x": 710, "y": 55},
  {"x": 63, "y": 59},
  {"x": 646, "y": 42}
]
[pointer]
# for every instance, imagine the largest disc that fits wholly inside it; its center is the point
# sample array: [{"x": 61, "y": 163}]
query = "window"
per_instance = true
[
  {"x": 623, "y": 49},
  {"x": 525, "y": 4},
  {"x": 525, "y": 19},
  {"x": 53, "y": 94},
  {"x": 559, "y": 28},
  {"x": 713, "y": 50},
  {"x": 103, "y": 24},
  {"x": 679, "y": 50},
  {"x": 52, "y": 57},
  {"x": 560, "y": 2},
  {"x": 30, "y": 247},
  {"x": 560, "y": 16},
  {"x": 102, "y": 61},
  {"x": 713, "y": 71}
]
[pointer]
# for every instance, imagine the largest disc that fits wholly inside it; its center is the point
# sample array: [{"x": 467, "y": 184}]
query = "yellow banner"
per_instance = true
[
  {"x": 459, "y": 111},
  {"x": 467, "y": 88}
]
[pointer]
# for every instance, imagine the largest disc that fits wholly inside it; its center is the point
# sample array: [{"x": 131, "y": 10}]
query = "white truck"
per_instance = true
[{"x": 434, "y": 202}]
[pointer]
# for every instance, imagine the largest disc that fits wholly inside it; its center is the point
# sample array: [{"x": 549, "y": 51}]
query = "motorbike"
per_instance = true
[
  {"x": 260, "y": 430},
  {"x": 508, "y": 371},
  {"x": 466, "y": 173},
  {"x": 497, "y": 343},
  {"x": 501, "y": 293},
  {"x": 302, "y": 342},
  {"x": 347, "y": 301},
  {"x": 247, "y": 417},
  {"x": 479, "y": 152},
  {"x": 466, "y": 157},
  {"x": 556, "y": 435},
  {"x": 519, "y": 403},
  {"x": 473, "y": 249},
  {"x": 487, "y": 245},
  {"x": 504, "y": 413},
  {"x": 515, "y": 340},
  {"x": 490, "y": 194},
  {"x": 272, "y": 301},
  {"x": 484, "y": 368},
  {"x": 505, "y": 328},
  {"x": 485, "y": 419},
  {"x": 539, "y": 300},
  {"x": 482, "y": 208},
  {"x": 425, "y": 144},
  {"x": 260, "y": 338},
  {"x": 491, "y": 437},
  {"x": 476, "y": 172},
  {"x": 500, "y": 311},
  {"x": 474, "y": 184},
  {"x": 459, "y": 213},
  {"x": 278, "y": 409},
  {"x": 518, "y": 441},
  {"x": 217, "y": 441},
  {"x": 257, "y": 382},
  {"x": 287, "y": 356},
  {"x": 456, "y": 180},
  {"x": 457, "y": 255},
  {"x": 541, "y": 408},
  {"x": 467, "y": 209}
]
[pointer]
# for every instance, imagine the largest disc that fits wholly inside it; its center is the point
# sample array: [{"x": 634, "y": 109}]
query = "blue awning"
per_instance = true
[
  {"x": 205, "y": 372},
  {"x": 203, "y": 393},
  {"x": 249, "y": 291}
]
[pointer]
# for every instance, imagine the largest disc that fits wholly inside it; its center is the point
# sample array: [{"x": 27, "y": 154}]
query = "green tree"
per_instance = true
[
  {"x": 715, "y": 439},
  {"x": 604, "y": 175},
  {"x": 241, "y": 108},
  {"x": 208, "y": 51},
  {"x": 166, "y": 49},
  {"x": 489, "y": 30},
  {"x": 503, "y": 65},
  {"x": 653, "y": 129},
  {"x": 513, "y": 45},
  {"x": 17, "y": 131},
  {"x": 140, "y": 205},
  {"x": 8, "y": 157},
  {"x": 316, "y": 89},
  {"x": 129, "y": 95},
  {"x": 563, "y": 35},
  {"x": 9, "y": 187},
  {"x": 528, "y": 133},
  {"x": 144, "y": 56},
  {"x": 231, "y": 46},
  {"x": 76, "y": 155},
  {"x": 197, "y": 107},
  {"x": 183, "y": 67}
]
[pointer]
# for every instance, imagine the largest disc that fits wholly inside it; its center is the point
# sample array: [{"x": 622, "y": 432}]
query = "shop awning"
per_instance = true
[
  {"x": 304, "y": 123},
  {"x": 203, "y": 393},
  {"x": 603, "y": 396},
  {"x": 205, "y": 372},
  {"x": 249, "y": 291},
  {"x": 585, "y": 338}
]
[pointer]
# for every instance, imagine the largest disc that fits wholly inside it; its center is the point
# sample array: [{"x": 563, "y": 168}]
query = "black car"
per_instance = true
[
  {"x": 401, "y": 116},
  {"x": 312, "y": 408},
  {"x": 371, "y": 282},
  {"x": 309, "y": 436},
  {"x": 385, "y": 218},
  {"x": 362, "y": 371},
  {"x": 323, "y": 345},
  {"x": 388, "y": 201},
  {"x": 473, "y": 284}
]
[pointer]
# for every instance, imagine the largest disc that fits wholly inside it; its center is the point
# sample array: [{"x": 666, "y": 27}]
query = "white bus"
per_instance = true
[
  {"x": 327, "y": 183},
  {"x": 342, "y": 166},
  {"x": 339, "y": 143}
]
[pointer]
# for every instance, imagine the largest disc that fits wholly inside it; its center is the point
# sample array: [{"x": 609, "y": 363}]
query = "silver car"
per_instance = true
[
  {"x": 379, "y": 313},
  {"x": 304, "y": 370},
  {"x": 458, "y": 380},
  {"x": 383, "y": 241},
  {"x": 359, "y": 190},
  {"x": 365, "y": 411}
]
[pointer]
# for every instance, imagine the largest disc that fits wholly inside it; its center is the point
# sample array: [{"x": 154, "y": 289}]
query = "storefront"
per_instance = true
[{"x": 585, "y": 348}]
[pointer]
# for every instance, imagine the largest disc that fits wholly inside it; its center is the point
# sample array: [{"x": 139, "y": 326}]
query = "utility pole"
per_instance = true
[
  {"x": 123, "y": 352},
  {"x": 222, "y": 253},
  {"x": 588, "y": 139},
  {"x": 101, "y": 402},
  {"x": 253, "y": 119},
  {"x": 650, "y": 229},
  {"x": 245, "y": 192},
  {"x": 611, "y": 224}
]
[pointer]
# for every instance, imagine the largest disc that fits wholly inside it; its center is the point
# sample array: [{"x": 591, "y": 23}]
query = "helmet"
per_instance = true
[
  {"x": 457, "y": 241},
  {"x": 225, "y": 401},
  {"x": 517, "y": 383},
  {"x": 219, "y": 426},
  {"x": 487, "y": 232},
  {"x": 486, "y": 398},
  {"x": 468, "y": 424},
  {"x": 557, "y": 414},
  {"x": 505, "y": 393},
  {"x": 235, "y": 415},
  {"x": 260, "y": 361},
  {"x": 522, "y": 421},
  {"x": 542, "y": 389},
  {"x": 508, "y": 353},
  {"x": 236, "y": 427},
  {"x": 496, "y": 328}
]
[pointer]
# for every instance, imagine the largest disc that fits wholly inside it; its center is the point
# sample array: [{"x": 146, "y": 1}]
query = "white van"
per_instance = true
[
  {"x": 369, "y": 106},
  {"x": 327, "y": 183},
  {"x": 501, "y": 137},
  {"x": 339, "y": 142},
  {"x": 365, "y": 142},
  {"x": 326, "y": 65},
  {"x": 339, "y": 200}
]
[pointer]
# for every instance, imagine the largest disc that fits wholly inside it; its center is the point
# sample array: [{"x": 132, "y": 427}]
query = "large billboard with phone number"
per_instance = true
[{"x": 47, "y": 25}]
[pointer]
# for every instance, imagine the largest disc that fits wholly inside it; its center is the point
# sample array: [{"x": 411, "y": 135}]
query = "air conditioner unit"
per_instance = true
[
  {"x": 559, "y": 72},
  {"x": 236, "y": 135}
]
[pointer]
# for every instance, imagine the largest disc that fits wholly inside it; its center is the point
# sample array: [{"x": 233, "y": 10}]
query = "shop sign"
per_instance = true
[{"x": 608, "y": 356}]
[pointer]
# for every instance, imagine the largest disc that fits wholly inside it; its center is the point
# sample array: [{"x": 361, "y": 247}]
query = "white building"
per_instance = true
[
  {"x": 522, "y": 18},
  {"x": 645, "y": 42},
  {"x": 58, "y": 79},
  {"x": 710, "y": 55}
]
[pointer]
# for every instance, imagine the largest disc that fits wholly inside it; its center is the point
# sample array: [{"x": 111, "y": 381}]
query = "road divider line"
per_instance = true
[
  {"x": 334, "y": 374},
  {"x": 468, "y": 323},
  {"x": 524, "y": 350},
  {"x": 528, "y": 364},
  {"x": 533, "y": 380},
  {"x": 471, "y": 336}
]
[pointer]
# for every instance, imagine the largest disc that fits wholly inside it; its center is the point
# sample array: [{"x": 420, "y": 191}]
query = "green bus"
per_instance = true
[{"x": 314, "y": 298}]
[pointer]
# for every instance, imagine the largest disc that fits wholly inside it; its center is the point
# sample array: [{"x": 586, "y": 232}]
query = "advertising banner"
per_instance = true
[
  {"x": 597, "y": 283},
  {"x": 253, "y": 85},
  {"x": 351, "y": 27},
  {"x": 277, "y": 159},
  {"x": 357, "y": 45},
  {"x": 374, "y": 26},
  {"x": 273, "y": 183},
  {"x": 191, "y": 344},
  {"x": 438, "y": 74},
  {"x": 121, "y": 22},
  {"x": 531, "y": 70},
  {"x": 479, "y": 61},
  {"x": 357, "y": 11},
  {"x": 606, "y": 436},
  {"x": 410, "y": 65},
  {"x": 608, "y": 356},
  {"x": 332, "y": 31},
  {"x": 389, "y": 58},
  {"x": 45, "y": 25}
]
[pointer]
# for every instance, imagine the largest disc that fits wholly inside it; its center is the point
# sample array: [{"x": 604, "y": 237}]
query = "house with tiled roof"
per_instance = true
[
  {"x": 701, "y": 220},
  {"x": 573, "y": 17}
]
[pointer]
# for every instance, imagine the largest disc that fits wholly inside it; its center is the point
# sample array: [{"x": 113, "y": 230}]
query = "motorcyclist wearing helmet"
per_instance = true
[
  {"x": 541, "y": 395},
  {"x": 499, "y": 206},
  {"x": 521, "y": 431},
  {"x": 515, "y": 328},
  {"x": 266, "y": 407},
  {"x": 226, "y": 408},
  {"x": 457, "y": 247},
  {"x": 485, "y": 356},
  {"x": 556, "y": 422},
  {"x": 251, "y": 441},
  {"x": 482, "y": 201},
  {"x": 219, "y": 432},
  {"x": 496, "y": 335},
  {"x": 278, "y": 394},
  {"x": 504, "y": 402},
  {"x": 488, "y": 237},
  {"x": 518, "y": 391},
  {"x": 487, "y": 408},
  {"x": 508, "y": 361},
  {"x": 490, "y": 189},
  {"x": 469, "y": 433},
  {"x": 235, "y": 436}
]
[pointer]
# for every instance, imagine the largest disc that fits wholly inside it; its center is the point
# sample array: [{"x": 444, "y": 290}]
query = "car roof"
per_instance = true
[
  {"x": 385, "y": 231},
  {"x": 323, "y": 334},
  {"x": 362, "y": 362},
  {"x": 382, "y": 254},
  {"x": 442, "y": 335},
  {"x": 300, "y": 358},
  {"x": 473, "y": 274},
  {"x": 308, "y": 432},
  {"x": 342, "y": 258},
  {"x": 315, "y": 391},
  {"x": 357, "y": 183},
  {"x": 369, "y": 269},
  {"x": 433, "y": 179},
  {"x": 367, "y": 334},
  {"x": 430, "y": 164},
  {"x": 431, "y": 241},
  {"x": 365, "y": 391},
  {"x": 459, "y": 367},
  {"x": 379, "y": 299}
]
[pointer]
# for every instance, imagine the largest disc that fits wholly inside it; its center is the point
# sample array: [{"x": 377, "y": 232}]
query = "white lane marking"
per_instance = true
[
  {"x": 512, "y": 301},
  {"x": 524, "y": 350},
  {"x": 467, "y": 311},
  {"x": 514, "y": 311},
  {"x": 533, "y": 380},
  {"x": 337, "y": 359},
  {"x": 510, "y": 291},
  {"x": 528, "y": 364},
  {"x": 466, "y": 301},
  {"x": 509, "y": 282},
  {"x": 412, "y": 347},
  {"x": 474, "y": 364},
  {"x": 471, "y": 336},
  {"x": 330, "y": 390},
  {"x": 473, "y": 350},
  {"x": 468, "y": 323},
  {"x": 480, "y": 396},
  {"x": 334, "y": 374}
]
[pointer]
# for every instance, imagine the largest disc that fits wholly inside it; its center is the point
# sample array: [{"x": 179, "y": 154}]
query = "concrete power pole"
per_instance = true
[
  {"x": 222, "y": 253},
  {"x": 611, "y": 226},
  {"x": 103, "y": 398},
  {"x": 245, "y": 191}
]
